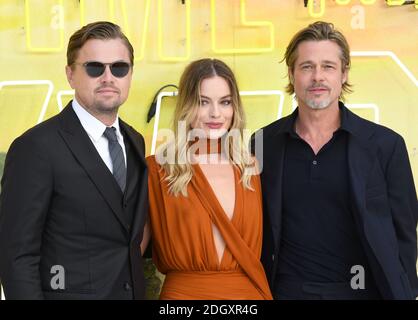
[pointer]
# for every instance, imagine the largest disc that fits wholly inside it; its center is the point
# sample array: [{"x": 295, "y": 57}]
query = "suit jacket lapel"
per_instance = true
[
  {"x": 135, "y": 141},
  {"x": 360, "y": 160},
  {"x": 361, "y": 154},
  {"x": 271, "y": 178},
  {"x": 138, "y": 149},
  {"x": 84, "y": 151}
]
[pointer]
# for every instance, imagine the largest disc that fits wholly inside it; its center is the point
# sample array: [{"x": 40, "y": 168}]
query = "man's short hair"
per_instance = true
[
  {"x": 318, "y": 31},
  {"x": 102, "y": 30}
]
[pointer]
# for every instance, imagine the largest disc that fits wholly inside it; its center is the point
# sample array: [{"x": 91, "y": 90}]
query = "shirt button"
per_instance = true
[
  {"x": 314, "y": 162},
  {"x": 127, "y": 286}
]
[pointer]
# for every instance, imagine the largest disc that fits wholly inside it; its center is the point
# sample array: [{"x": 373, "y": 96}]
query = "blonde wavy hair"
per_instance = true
[{"x": 179, "y": 174}]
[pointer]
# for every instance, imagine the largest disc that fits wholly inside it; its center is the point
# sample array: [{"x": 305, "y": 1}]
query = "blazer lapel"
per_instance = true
[
  {"x": 84, "y": 151},
  {"x": 361, "y": 154},
  {"x": 135, "y": 141},
  {"x": 271, "y": 178},
  {"x": 360, "y": 160},
  {"x": 137, "y": 149}
]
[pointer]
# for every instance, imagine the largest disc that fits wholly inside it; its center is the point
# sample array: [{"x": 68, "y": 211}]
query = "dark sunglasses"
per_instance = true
[{"x": 95, "y": 69}]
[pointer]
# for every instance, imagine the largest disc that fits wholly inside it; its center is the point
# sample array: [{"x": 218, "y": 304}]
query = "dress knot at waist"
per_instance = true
[{"x": 209, "y": 285}]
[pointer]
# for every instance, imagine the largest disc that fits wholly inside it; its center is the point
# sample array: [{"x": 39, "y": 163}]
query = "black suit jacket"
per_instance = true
[
  {"x": 384, "y": 196},
  {"x": 60, "y": 205}
]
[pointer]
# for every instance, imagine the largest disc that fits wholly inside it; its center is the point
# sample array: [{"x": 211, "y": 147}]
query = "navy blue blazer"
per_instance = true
[{"x": 385, "y": 201}]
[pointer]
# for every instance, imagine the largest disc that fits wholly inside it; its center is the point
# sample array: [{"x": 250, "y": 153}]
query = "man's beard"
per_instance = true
[
  {"x": 104, "y": 108},
  {"x": 318, "y": 105}
]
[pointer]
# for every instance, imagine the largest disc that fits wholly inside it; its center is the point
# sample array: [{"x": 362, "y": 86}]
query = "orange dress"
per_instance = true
[{"x": 183, "y": 244}]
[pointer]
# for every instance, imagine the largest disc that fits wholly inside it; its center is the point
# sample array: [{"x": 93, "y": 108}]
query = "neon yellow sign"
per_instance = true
[
  {"x": 345, "y": 2},
  {"x": 29, "y": 30},
  {"x": 312, "y": 9},
  {"x": 368, "y": 2},
  {"x": 111, "y": 9},
  {"x": 245, "y": 23},
  {"x": 144, "y": 28},
  {"x": 160, "y": 35},
  {"x": 312, "y": 12},
  {"x": 395, "y": 2},
  {"x": 342, "y": 2},
  {"x": 321, "y": 11}
]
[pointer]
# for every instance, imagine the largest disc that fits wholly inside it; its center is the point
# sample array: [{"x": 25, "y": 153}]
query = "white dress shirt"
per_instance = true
[{"x": 95, "y": 129}]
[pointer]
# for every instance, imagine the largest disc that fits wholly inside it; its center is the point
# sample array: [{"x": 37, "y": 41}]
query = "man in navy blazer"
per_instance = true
[{"x": 340, "y": 206}]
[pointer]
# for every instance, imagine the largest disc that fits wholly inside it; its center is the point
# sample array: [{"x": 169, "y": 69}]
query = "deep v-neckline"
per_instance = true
[{"x": 219, "y": 207}]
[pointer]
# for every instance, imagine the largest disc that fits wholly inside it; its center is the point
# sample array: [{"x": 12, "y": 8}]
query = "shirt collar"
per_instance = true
[
  {"x": 289, "y": 125},
  {"x": 94, "y": 127},
  {"x": 346, "y": 124}
]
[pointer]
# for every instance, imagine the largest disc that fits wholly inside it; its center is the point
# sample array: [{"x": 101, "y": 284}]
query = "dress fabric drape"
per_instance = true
[{"x": 183, "y": 244}]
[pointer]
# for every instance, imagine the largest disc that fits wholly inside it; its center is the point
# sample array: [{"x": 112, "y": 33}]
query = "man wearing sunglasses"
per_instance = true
[{"x": 74, "y": 190}]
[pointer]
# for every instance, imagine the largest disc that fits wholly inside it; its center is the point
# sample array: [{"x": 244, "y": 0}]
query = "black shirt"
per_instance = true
[{"x": 319, "y": 241}]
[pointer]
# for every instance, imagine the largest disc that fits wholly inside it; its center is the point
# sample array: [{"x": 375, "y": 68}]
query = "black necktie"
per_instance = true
[{"x": 116, "y": 154}]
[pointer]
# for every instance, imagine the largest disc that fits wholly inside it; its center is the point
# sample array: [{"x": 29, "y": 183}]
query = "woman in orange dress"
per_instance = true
[{"x": 205, "y": 196}]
